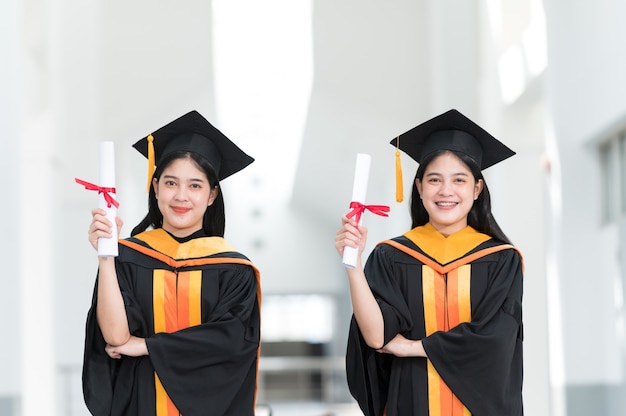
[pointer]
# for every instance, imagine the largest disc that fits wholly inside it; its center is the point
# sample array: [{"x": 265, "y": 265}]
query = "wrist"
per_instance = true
[
  {"x": 145, "y": 346},
  {"x": 106, "y": 260},
  {"x": 419, "y": 349}
]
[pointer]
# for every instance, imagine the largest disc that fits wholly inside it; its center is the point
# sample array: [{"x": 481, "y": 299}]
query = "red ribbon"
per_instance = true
[
  {"x": 359, "y": 208},
  {"x": 101, "y": 190}
]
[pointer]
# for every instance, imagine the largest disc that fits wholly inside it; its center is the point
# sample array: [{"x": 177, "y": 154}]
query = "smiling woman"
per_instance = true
[
  {"x": 448, "y": 191},
  {"x": 447, "y": 293},
  {"x": 183, "y": 193},
  {"x": 174, "y": 324}
]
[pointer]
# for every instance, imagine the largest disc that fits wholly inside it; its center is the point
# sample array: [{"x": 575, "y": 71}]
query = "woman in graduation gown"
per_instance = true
[
  {"x": 174, "y": 324},
  {"x": 437, "y": 324}
]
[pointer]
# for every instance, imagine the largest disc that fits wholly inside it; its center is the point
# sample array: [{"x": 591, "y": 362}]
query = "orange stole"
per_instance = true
[
  {"x": 446, "y": 304},
  {"x": 177, "y": 304},
  {"x": 190, "y": 254}
]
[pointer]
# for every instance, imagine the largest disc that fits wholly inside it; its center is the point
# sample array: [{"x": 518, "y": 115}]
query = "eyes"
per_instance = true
[
  {"x": 457, "y": 179},
  {"x": 171, "y": 183}
]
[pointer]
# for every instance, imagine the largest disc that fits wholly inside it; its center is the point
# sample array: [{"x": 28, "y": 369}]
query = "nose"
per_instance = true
[
  {"x": 181, "y": 194},
  {"x": 446, "y": 188}
]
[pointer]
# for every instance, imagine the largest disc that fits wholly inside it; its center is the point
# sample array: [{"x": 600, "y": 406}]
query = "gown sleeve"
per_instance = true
[
  {"x": 205, "y": 366},
  {"x": 208, "y": 366},
  {"x": 101, "y": 374},
  {"x": 368, "y": 371},
  {"x": 481, "y": 360},
  {"x": 98, "y": 369}
]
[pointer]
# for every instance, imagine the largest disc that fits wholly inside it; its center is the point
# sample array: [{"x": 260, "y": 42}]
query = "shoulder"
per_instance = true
[
  {"x": 401, "y": 239},
  {"x": 403, "y": 248},
  {"x": 507, "y": 256},
  {"x": 396, "y": 249},
  {"x": 206, "y": 252},
  {"x": 498, "y": 248}
]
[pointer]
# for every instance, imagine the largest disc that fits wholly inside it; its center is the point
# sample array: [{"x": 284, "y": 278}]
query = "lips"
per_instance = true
[{"x": 181, "y": 210}]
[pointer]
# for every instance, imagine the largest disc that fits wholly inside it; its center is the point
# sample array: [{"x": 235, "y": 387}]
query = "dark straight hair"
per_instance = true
[
  {"x": 480, "y": 217},
  {"x": 214, "y": 222}
]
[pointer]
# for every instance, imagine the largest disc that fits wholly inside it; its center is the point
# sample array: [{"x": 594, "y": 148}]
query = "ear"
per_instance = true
[
  {"x": 478, "y": 188},
  {"x": 418, "y": 185},
  {"x": 214, "y": 192},
  {"x": 155, "y": 184}
]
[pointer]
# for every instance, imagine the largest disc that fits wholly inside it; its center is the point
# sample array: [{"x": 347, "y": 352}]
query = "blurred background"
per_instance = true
[{"x": 303, "y": 86}]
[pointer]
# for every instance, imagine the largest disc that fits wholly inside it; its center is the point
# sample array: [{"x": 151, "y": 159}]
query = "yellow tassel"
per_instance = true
[
  {"x": 150, "y": 160},
  {"x": 399, "y": 185}
]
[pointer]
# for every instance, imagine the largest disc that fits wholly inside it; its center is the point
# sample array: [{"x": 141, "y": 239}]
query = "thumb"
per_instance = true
[{"x": 119, "y": 223}]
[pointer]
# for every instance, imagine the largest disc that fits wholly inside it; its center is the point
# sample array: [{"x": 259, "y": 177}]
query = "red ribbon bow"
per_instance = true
[
  {"x": 358, "y": 209},
  {"x": 101, "y": 190}
]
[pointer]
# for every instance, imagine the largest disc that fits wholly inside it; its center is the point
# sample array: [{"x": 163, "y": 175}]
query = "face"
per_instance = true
[
  {"x": 448, "y": 191},
  {"x": 183, "y": 194}
]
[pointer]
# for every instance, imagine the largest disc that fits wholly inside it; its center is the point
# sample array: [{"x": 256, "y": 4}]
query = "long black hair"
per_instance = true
[
  {"x": 214, "y": 221},
  {"x": 480, "y": 217}
]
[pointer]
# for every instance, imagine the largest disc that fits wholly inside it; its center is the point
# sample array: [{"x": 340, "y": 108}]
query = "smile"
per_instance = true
[
  {"x": 180, "y": 210},
  {"x": 446, "y": 204}
]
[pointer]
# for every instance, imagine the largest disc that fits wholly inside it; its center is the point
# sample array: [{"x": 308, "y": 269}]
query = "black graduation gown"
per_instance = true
[
  {"x": 478, "y": 360},
  {"x": 197, "y": 305}
]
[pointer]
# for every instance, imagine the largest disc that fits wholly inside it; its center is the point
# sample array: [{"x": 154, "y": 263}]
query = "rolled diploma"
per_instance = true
[
  {"x": 359, "y": 190},
  {"x": 107, "y": 247}
]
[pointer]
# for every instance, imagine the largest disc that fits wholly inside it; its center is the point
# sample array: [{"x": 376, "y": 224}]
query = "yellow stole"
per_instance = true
[
  {"x": 446, "y": 279},
  {"x": 177, "y": 296}
]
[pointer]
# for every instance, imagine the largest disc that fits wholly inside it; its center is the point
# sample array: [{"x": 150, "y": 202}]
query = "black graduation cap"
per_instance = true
[
  {"x": 193, "y": 133},
  {"x": 450, "y": 131}
]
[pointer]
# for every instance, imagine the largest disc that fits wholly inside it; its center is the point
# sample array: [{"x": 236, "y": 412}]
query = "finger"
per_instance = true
[
  {"x": 355, "y": 228},
  {"x": 101, "y": 222},
  {"x": 112, "y": 351},
  {"x": 95, "y": 235},
  {"x": 350, "y": 222},
  {"x": 98, "y": 211},
  {"x": 344, "y": 238},
  {"x": 97, "y": 230},
  {"x": 98, "y": 218},
  {"x": 343, "y": 233},
  {"x": 346, "y": 234},
  {"x": 350, "y": 241},
  {"x": 101, "y": 228}
]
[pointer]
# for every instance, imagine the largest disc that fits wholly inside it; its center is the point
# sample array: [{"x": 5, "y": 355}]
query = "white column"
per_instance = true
[
  {"x": 36, "y": 215},
  {"x": 9, "y": 210}
]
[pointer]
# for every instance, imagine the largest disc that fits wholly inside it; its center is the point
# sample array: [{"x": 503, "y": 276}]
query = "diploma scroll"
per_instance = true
[
  {"x": 107, "y": 247},
  {"x": 359, "y": 191}
]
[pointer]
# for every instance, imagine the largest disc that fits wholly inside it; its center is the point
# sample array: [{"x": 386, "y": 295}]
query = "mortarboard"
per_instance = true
[
  {"x": 193, "y": 133},
  {"x": 449, "y": 131}
]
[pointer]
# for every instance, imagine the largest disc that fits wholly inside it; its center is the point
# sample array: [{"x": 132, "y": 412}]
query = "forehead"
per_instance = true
[
  {"x": 184, "y": 167},
  {"x": 445, "y": 163}
]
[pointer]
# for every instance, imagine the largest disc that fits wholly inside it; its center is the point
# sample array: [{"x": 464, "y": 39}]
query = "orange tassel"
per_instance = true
[
  {"x": 150, "y": 160},
  {"x": 399, "y": 185}
]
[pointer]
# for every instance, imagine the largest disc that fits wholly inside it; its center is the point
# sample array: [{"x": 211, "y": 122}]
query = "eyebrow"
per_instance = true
[
  {"x": 441, "y": 174},
  {"x": 177, "y": 178}
]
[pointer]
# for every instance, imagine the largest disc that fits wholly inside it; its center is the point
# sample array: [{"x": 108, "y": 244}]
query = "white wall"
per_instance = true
[
  {"x": 585, "y": 91},
  {"x": 10, "y": 38}
]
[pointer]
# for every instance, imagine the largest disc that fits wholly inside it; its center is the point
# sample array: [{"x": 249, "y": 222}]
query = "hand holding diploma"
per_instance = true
[
  {"x": 359, "y": 191},
  {"x": 107, "y": 247}
]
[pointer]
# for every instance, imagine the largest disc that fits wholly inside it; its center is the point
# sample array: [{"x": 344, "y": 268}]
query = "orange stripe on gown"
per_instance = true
[
  {"x": 177, "y": 304},
  {"x": 446, "y": 304}
]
